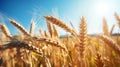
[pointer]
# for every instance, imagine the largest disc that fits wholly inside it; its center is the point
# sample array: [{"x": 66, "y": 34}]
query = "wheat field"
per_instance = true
[{"x": 48, "y": 49}]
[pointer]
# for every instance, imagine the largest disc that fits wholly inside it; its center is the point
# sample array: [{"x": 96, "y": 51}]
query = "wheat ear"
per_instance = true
[
  {"x": 20, "y": 27},
  {"x": 83, "y": 36},
  {"x": 98, "y": 61},
  {"x": 19, "y": 44},
  {"x": 32, "y": 27},
  {"x": 50, "y": 42},
  {"x": 105, "y": 27},
  {"x": 111, "y": 43},
  {"x": 5, "y": 30},
  {"x": 59, "y": 23}
]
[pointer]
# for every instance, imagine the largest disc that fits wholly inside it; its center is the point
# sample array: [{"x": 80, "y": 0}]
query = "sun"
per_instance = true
[{"x": 102, "y": 8}]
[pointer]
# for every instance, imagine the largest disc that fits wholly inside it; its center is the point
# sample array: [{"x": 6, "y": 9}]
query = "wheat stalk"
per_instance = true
[
  {"x": 20, "y": 27},
  {"x": 111, "y": 43},
  {"x": 5, "y": 30},
  {"x": 72, "y": 26}
]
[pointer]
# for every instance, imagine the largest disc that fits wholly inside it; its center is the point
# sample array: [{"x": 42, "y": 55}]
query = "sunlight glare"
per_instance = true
[{"x": 102, "y": 8}]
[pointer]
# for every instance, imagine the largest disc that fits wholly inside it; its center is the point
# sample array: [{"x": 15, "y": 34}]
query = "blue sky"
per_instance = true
[{"x": 24, "y": 11}]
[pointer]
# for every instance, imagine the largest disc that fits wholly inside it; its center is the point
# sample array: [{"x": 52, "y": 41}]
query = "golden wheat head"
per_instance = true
[
  {"x": 19, "y": 44},
  {"x": 83, "y": 36},
  {"x": 105, "y": 27},
  {"x": 59, "y": 23},
  {"x": 5, "y": 30},
  {"x": 51, "y": 42},
  {"x": 111, "y": 43},
  {"x": 20, "y": 27}
]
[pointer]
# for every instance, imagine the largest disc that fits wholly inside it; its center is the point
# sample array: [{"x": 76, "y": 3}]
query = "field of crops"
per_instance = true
[{"x": 47, "y": 49}]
